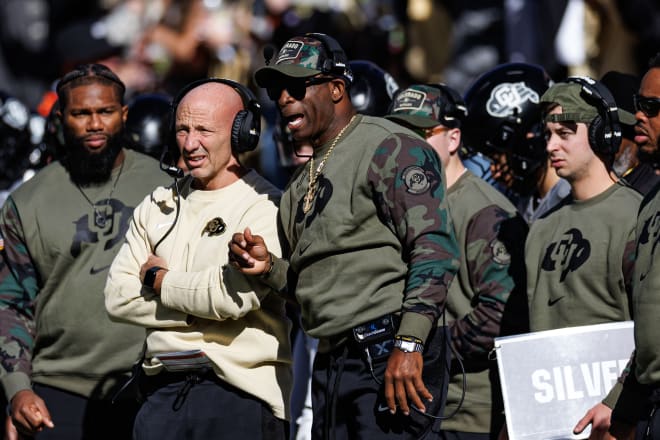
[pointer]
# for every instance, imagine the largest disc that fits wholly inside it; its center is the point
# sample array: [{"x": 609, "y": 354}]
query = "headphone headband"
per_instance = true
[
  {"x": 246, "y": 127},
  {"x": 337, "y": 63},
  {"x": 605, "y": 129}
]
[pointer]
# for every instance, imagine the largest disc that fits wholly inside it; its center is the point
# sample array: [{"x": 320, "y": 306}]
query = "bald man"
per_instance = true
[{"x": 217, "y": 356}]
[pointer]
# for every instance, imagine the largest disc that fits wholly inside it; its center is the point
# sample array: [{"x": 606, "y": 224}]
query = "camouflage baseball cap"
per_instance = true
[
  {"x": 574, "y": 107},
  {"x": 303, "y": 57},
  {"x": 421, "y": 106}
]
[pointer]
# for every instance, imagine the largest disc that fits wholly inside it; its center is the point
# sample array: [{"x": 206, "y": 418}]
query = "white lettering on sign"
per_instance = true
[{"x": 571, "y": 382}]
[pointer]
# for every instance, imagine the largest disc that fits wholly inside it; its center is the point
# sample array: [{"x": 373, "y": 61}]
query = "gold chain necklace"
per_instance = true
[
  {"x": 100, "y": 218},
  {"x": 313, "y": 176}
]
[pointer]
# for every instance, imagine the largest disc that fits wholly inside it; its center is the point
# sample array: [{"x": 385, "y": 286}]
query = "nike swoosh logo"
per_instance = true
[
  {"x": 94, "y": 270},
  {"x": 303, "y": 247},
  {"x": 552, "y": 302},
  {"x": 382, "y": 408}
]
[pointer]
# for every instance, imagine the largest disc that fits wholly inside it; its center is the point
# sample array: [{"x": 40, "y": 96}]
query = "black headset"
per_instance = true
[
  {"x": 245, "y": 129},
  {"x": 336, "y": 63},
  {"x": 453, "y": 111},
  {"x": 605, "y": 129}
]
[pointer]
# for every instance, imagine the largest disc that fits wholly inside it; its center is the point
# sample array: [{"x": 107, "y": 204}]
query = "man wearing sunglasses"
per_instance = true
[
  {"x": 371, "y": 251},
  {"x": 636, "y": 411},
  {"x": 647, "y": 107}
]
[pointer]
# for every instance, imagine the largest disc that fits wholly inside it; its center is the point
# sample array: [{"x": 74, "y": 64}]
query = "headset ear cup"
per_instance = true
[
  {"x": 237, "y": 136},
  {"x": 598, "y": 139},
  {"x": 596, "y": 136},
  {"x": 244, "y": 133}
]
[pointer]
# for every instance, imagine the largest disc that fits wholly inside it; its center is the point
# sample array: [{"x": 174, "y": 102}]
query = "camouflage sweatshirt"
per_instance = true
[
  {"x": 54, "y": 328},
  {"x": 377, "y": 239},
  {"x": 491, "y": 235}
]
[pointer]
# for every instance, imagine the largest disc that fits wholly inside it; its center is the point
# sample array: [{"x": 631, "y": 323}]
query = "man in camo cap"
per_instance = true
[
  {"x": 371, "y": 251},
  {"x": 490, "y": 278},
  {"x": 579, "y": 257}
]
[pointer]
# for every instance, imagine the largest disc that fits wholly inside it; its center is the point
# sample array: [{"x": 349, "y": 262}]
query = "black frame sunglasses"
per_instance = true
[
  {"x": 649, "y": 106},
  {"x": 297, "y": 87}
]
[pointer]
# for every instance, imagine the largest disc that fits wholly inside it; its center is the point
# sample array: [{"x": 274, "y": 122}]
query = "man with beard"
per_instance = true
[
  {"x": 638, "y": 170},
  {"x": 61, "y": 358}
]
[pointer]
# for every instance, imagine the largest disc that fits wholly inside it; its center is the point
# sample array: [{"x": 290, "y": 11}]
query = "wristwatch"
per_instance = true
[
  {"x": 150, "y": 276},
  {"x": 408, "y": 344}
]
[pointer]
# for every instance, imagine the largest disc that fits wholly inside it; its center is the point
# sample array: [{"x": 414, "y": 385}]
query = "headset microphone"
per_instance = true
[
  {"x": 269, "y": 51},
  {"x": 171, "y": 170}
]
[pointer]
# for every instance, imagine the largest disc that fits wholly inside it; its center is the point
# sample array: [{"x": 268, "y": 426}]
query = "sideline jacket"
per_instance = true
[
  {"x": 378, "y": 238},
  {"x": 205, "y": 303},
  {"x": 54, "y": 329},
  {"x": 491, "y": 236}
]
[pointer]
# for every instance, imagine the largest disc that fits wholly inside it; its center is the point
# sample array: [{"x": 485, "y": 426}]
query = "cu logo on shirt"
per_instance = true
[
  {"x": 416, "y": 180},
  {"x": 568, "y": 254}
]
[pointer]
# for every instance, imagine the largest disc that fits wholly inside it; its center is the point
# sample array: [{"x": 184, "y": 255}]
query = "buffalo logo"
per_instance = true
[
  {"x": 650, "y": 235},
  {"x": 110, "y": 231},
  {"x": 415, "y": 179},
  {"x": 569, "y": 253},
  {"x": 507, "y": 99},
  {"x": 500, "y": 253},
  {"x": 214, "y": 227},
  {"x": 321, "y": 199}
]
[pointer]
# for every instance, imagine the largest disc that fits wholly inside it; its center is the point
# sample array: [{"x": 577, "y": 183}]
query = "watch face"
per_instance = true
[{"x": 408, "y": 346}]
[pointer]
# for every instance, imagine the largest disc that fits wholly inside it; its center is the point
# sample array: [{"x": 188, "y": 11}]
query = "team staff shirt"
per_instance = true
[
  {"x": 490, "y": 235},
  {"x": 54, "y": 329},
  {"x": 579, "y": 261},
  {"x": 645, "y": 364},
  {"x": 646, "y": 299},
  {"x": 378, "y": 238},
  {"x": 206, "y": 304}
]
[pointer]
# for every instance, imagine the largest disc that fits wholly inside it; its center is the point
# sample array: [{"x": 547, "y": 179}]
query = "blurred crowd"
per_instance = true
[{"x": 158, "y": 46}]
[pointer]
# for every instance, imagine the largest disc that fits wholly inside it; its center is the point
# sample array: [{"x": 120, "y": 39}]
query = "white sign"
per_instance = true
[{"x": 550, "y": 379}]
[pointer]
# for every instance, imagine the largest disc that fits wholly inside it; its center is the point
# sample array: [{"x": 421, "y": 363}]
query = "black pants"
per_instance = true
[
  {"x": 201, "y": 407},
  {"x": 76, "y": 417},
  {"x": 649, "y": 427},
  {"x": 458, "y": 435},
  {"x": 348, "y": 400}
]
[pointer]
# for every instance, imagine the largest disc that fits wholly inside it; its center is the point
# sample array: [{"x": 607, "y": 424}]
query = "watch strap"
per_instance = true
[{"x": 150, "y": 276}]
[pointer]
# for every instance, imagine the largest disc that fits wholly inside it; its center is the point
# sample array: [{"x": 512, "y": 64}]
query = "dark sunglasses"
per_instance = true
[
  {"x": 649, "y": 106},
  {"x": 296, "y": 87}
]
